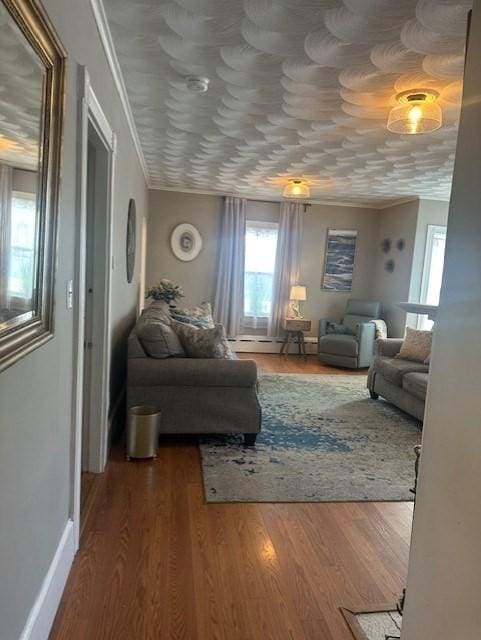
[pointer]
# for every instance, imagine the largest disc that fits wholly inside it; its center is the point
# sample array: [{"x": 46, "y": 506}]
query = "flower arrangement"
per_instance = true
[{"x": 166, "y": 291}]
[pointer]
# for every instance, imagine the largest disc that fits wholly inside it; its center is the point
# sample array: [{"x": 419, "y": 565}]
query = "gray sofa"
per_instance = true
[
  {"x": 352, "y": 350},
  {"x": 402, "y": 382},
  {"x": 195, "y": 395}
]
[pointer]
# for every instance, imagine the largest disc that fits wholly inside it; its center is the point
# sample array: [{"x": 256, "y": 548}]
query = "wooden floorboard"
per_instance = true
[
  {"x": 158, "y": 563},
  {"x": 88, "y": 489},
  {"x": 275, "y": 363}
]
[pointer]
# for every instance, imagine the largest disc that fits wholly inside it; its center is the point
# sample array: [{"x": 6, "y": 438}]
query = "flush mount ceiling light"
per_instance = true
[
  {"x": 296, "y": 188},
  {"x": 197, "y": 84},
  {"x": 417, "y": 112}
]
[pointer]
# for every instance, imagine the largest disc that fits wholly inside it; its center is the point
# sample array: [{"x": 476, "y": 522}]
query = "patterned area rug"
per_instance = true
[
  {"x": 323, "y": 440},
  {"x": 383, "y": 624}
]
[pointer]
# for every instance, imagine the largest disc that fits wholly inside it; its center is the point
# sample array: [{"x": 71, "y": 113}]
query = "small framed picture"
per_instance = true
[{"x": 339, "y": 260}]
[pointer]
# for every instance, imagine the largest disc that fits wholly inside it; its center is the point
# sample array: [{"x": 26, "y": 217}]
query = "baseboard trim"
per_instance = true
[
  {"x": 42, "y": 614},
  {"x": 260, "y": 344}
]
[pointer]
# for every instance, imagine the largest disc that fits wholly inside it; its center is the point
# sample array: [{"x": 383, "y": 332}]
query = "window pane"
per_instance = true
[
  {"x": 433, "y": 271},
  {"x": 436, "y": 269},
  {"x": 21, "y": 272},
  {"x": 260, "y": 261}
]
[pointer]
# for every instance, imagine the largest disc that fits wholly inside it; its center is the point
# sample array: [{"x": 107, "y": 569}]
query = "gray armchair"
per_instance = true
[{"x": 355, "y": 348}]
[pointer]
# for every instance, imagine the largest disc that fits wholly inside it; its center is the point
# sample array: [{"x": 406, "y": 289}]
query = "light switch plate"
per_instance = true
[{"x": 69, "y": 294}]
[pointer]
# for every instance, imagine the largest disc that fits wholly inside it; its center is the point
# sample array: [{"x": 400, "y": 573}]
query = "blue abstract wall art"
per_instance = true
[{"x": 339, "y": 264}]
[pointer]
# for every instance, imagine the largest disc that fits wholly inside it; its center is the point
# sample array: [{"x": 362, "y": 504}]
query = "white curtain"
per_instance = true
[
  {"x": 6, "y": 174},
  {"x": 229, "y": 296},
  {"x": 287, "y": 262}
]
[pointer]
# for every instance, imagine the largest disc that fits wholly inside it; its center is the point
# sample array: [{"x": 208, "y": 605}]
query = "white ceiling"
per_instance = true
[{"x": 299, "y": 88}]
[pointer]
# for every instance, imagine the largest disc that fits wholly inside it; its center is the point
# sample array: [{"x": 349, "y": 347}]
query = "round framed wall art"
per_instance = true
[{"x": 185, "y": 242}]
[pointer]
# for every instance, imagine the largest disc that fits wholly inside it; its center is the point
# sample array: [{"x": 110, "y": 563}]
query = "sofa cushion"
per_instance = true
[
  {"x": 158, "y": 339},
  {"x": 158, "y": 310},
  {"x": 416, "y": 345},
  {"x": 416, "y": 384},
  {"x": 394, "y": 369},
  {"x": 203, "y": 343},
  {"x": 340, "y": 345}
]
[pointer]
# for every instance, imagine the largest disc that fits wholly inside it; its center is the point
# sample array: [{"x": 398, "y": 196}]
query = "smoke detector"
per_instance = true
[{"x": 197, "y": 84}]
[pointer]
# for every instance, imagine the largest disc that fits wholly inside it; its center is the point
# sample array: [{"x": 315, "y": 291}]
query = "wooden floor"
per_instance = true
[
  {"x": 89, "y": 483},
  {"x": 273, "y": 363},
  {"x": 156, "y": 562}
]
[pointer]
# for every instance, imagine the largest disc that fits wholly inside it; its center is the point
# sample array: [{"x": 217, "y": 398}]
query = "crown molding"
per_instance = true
[
  {"x": 395, "y": 203},
  {"x": 310, "y": 201},
  {"x": 114, "y": 65},
  {"x": 273, "y": 198}
]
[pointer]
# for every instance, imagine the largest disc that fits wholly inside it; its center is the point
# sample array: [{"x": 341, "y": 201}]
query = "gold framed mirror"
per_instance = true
[{"x": 32, "y": 76}]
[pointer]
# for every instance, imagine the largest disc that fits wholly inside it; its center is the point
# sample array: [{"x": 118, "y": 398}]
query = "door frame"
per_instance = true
[
  {"x": 90, "y": 113},
  {"x": 143, "y": 264}
]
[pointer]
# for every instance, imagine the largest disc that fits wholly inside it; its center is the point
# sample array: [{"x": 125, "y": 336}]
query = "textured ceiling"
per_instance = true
[
  {"x": 21, "y": 81},
  {"x": 298, "y": 88}
]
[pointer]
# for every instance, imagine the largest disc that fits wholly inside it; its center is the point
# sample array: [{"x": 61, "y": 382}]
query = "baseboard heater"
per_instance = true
[{"x": 263, "y": 344}]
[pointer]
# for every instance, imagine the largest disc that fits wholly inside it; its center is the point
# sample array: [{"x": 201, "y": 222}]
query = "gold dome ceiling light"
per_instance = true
[
  {"x": 417, "y": 112},
  {"x": 296, "y": 188}
]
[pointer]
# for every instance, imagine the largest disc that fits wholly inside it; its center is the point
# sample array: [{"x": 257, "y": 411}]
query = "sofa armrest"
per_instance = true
[
  {"x": 191, "y": 372},
  {"x": 388, "y": 347},
  {"x": 366, "y": 336}
]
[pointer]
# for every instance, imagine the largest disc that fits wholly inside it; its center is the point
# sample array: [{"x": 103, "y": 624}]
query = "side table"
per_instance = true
[{"x": 295, "y": 328}]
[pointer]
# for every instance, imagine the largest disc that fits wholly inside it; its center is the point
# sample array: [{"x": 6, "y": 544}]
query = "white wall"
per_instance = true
[
  {"x": 168, "y": 209},
  {"x": 318, "y": 219},
  {"x": 444, "y": 581},
  {"x": 409, "y": 222},
  {"x": 36, "y": 393},
  {"x": 395, "y": 223}
]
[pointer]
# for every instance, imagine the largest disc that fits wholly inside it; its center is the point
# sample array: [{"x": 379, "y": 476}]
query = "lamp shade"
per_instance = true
[
  {"x": 297, "y": 188},
  {"x": 298, "y": 292}
]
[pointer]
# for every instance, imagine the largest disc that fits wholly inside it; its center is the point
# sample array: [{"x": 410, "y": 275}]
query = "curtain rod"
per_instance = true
[{"x": 305, "y": 204}]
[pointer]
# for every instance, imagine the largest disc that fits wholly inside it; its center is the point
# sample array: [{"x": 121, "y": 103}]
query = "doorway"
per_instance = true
[
  {"x": 97, "y": 274},
  {"x": 96, "y": 285},
  {"x": 96, "y": 156}
]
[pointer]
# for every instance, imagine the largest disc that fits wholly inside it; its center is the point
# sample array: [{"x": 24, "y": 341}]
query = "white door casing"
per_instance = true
[{"x": 91, "y": 113}]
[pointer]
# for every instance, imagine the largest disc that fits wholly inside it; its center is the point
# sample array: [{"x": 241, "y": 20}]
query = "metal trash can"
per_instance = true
[{"x": 143, "y": 425}]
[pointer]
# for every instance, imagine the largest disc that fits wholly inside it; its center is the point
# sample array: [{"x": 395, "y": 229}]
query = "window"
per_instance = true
[
  {"x": 260, "y": 262},
  {"x": 433, "y": 270},
  {"x": 22, "y": 245}
]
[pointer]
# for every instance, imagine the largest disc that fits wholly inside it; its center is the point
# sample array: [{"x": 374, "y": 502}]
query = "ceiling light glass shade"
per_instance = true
[
  {"x": 297, "y": 189},
  {"x": 416, "y": 113}
]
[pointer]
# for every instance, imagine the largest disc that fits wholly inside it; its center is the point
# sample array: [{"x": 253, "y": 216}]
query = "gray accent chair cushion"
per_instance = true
[
  {"x": 340, "y": 344},
  {"x": 354, "y": 347},
  {"x": 404, "y": 383}
]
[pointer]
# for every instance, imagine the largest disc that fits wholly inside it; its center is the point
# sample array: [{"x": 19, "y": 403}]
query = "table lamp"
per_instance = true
[{"x": 298, "y": 292}]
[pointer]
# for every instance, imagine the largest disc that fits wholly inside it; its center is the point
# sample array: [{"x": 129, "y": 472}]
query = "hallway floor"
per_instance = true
[{"x": 156, "y": 562}]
